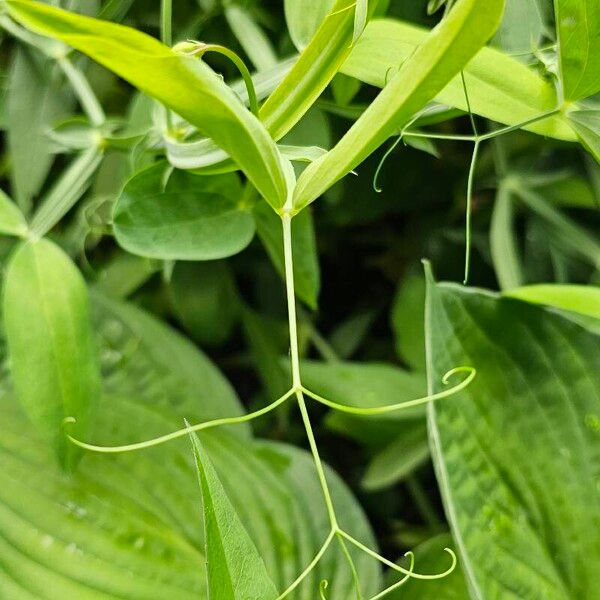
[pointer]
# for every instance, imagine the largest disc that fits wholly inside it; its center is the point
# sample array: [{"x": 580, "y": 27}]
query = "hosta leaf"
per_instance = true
[
  {"x": 12, "y": 221},
  {"x": 303, "y": 18},
  {"x": 517, "y": 455},
  {"x": 235, "y": 569},
  {"x": 500, "y": 87},
  {"x": 53, "y": 357},
  {"x": 177, "y": 215},
  {"x": 435, "y": 62},
  {"x": 128, "y": 526},
  {"x": 578, "y": 26},
  {"x": 181, "y": 82},
  {"x": 307, "y": 275},
  {"x": 582, "y": 299}
]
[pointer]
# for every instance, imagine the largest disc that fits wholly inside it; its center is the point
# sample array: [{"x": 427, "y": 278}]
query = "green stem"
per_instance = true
[
  {"x": 181, "y": 432},
  {"x": 398, "y": 584},
  {"x": 166, "y": 22},
  {"x": 309, "y": 567},
  {"x": 350, "y": 561},
  {"x": 380, "y": 410},
  {"x": 470, "y": 182},
  {"x": 286, "y": 220},
  {"x": 241, "y": 66},
  {"x": 396, "y": 567}
]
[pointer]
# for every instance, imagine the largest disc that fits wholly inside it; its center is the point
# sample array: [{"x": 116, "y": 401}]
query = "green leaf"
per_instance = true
[
  {"x": 181, "y": 82},
  {"x": 407, "y": 320},
  {"x": 307, "y": 276},
  {"x": 180, "y": 216},
  {"x": 361, "y": 14},
  {"x": 435, "y": 62},
  {"x": 128, "y": 526},
  {"x": 66, "y": 191},
  {"x": 524, "y": 508},
  {"x": 398, "y": 459},
  {"x": 582, "y": 299},
  {"x": 500, "y": 87},
  {"x": 235, "y": 569},
  {"x": 586, "y": 124},
  {"x": 304, "y": 17},
  {"x": 578, "y": 27},
  {"x": 35, "y": 101},
  {"x": 504, "y": 243},
  {"x": 430, "y": 557},
  {"x": 12, "y": 221},
  {"x": 251, "y": 37},
  {"x": 205, "y": 300},
  {"x": 522, "y": 27},
  {"x": 311, "y": 74},
  {"x": 53, "y": 357}
]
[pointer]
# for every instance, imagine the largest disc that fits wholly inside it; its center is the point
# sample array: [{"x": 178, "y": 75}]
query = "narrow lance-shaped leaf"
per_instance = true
[
  {"x": 12, "y": 221},
  {"x": 303, "y": 18},
  {"x": 444, "y": 52},
  {"x": 235, "y": 569},
  {"x": 500, "y": 87},
  {"x": 183, "y": 83},
  {"x": 53, "y": 358},
  {"x": 316, "y": 67},
  {"x": 578, "y": 27},
  {"x": 586, "y": 124}
]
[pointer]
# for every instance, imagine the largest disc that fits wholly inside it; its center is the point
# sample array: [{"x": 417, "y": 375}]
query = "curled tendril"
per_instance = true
[
  {"x": 378, "y": 410},
  {"x": 323, "y": 585},
  {"x": 199, "y": 49},
  {"x": 399, "y": 583}
]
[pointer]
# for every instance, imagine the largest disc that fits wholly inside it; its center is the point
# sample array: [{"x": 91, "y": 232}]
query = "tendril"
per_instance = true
[
  {"x": 399, "y": 583},
  {"x": 378, "y": 410},
  {"x": 398, "y": 568},
  {"x": 323, "y": 585},
  {"x": 176, "y": 434},
  {"x": 200, "y": 49}
]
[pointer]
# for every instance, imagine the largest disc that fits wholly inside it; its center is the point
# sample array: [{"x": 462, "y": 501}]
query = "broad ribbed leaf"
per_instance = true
[
  {"x": 176, "y": 215},
  {"x": 517, "y": 453},
  {"x": 235, "y": 569},
  {"x": 129, "y": 526},
  {"x": 578, "y": 27},
  {"x": 436, "y": 61},
  {"x": 500, "y": 87},
  {"x": 53, "y": 357},
  {"x": 183, "y": 83}
]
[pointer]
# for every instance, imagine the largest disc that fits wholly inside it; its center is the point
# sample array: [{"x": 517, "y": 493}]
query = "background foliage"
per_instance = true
[{"x": 188, "y": 304}]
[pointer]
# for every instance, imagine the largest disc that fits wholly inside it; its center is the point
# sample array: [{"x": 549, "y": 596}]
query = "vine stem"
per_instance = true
[{"x": 286, "y": 220}]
